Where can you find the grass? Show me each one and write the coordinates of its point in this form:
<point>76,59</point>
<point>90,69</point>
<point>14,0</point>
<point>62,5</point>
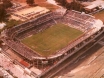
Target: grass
<point>100,15</point>
<point>52,39</point>
<point>11,23</point>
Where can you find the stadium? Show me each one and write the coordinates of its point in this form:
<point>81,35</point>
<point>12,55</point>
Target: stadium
<point>51,36</point>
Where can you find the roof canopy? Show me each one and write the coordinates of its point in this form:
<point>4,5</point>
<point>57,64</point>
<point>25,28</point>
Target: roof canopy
<point>91,6</point>
<point>2,25</point>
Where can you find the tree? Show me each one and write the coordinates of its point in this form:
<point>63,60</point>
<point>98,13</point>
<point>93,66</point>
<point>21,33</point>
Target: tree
<point>7,4</point>
<point>75,5</point>
<point>61,2</point>
<point>30,2</point>
<point>3,14</point>
<point>1,77</point>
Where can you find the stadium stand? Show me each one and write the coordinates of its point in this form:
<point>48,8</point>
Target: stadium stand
<point>83,22</point>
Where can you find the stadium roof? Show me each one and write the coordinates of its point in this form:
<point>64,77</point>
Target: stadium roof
<point>94,4</point>
<point>91,6</point>
<point>2,25</point>
<point>52,2</point>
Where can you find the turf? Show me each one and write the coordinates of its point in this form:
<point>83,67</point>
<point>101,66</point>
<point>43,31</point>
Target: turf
<point>52,39</point>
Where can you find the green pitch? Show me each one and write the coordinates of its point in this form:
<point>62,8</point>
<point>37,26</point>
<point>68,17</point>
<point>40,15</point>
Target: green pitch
<point>52,39</point>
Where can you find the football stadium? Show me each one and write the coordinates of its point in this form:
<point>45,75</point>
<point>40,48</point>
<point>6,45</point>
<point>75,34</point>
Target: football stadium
<point>51,36</point>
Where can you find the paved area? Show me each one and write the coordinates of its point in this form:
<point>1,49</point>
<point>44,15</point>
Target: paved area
<point>37,71</point>
<point>5,73</point>
<point>92,67</point>
<point>18,71</point>
<point>13,55</point>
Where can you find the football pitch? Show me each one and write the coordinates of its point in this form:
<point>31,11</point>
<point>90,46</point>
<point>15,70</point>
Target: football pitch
<point>52,39</point>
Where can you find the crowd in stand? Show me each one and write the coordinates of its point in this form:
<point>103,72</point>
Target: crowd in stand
<point>79,20</point>
<point>71,18</point>
<point>36,29</point>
